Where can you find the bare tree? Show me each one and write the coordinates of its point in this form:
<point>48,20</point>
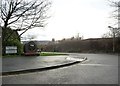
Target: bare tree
<point>116,16</point>
<point>107,35</point>
<point>22,15</point>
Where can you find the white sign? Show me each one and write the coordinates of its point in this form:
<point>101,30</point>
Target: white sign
<point>11,49</point>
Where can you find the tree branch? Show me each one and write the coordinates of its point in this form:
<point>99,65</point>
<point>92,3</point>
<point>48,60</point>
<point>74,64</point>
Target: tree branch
<point>23,15</point>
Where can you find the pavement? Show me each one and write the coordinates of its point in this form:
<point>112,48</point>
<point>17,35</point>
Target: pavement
<point>27,64</point>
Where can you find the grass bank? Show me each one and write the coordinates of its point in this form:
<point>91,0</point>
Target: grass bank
<point>51,54</point>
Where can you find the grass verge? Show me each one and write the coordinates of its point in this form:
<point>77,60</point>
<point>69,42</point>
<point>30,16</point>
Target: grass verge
<point>51,54</point>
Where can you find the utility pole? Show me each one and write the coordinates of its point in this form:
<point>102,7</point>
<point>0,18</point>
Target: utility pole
<point>113,37</point>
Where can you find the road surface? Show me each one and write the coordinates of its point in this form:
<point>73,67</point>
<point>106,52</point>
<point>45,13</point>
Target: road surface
<point>98,69</point>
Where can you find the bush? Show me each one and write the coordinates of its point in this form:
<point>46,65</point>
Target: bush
<point>14,43</point>
<point>10,38</point>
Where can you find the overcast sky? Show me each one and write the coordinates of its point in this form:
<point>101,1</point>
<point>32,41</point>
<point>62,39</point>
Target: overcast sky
<point>89,18</point>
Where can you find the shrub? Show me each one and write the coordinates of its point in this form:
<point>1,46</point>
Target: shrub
<point>10,38</point>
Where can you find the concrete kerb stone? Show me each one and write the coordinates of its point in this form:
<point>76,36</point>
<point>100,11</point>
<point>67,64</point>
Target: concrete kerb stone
<point>73,61</point>
<point>76,59</point>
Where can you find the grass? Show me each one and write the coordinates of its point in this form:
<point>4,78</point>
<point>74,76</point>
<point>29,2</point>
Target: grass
<point>50,54</point>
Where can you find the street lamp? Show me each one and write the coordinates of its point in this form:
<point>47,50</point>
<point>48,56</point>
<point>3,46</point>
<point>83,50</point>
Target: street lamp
<point>113,38</point>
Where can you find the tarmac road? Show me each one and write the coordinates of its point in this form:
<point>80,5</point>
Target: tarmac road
<point>98,69</point>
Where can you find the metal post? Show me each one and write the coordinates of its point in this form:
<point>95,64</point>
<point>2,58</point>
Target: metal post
<point>113,38</point>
